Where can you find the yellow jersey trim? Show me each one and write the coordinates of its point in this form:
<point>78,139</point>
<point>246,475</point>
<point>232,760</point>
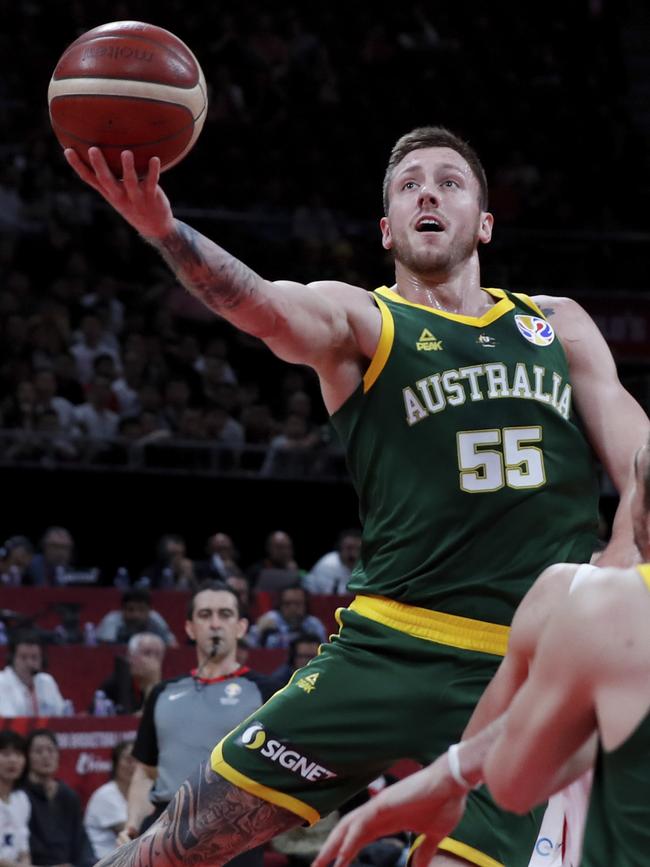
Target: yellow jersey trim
<point>529,301</point>
<point>448,844</point>
<point>503,305</point>
<point>273,796</point>
<point>436,626</point>
<point>469,853</point>
<point>644,572</point>
<point>384,346</point>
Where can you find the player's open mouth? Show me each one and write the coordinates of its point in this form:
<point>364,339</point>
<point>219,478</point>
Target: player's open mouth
<point>429,224</point>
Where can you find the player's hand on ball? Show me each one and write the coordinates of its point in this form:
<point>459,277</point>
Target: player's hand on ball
<point>141,202</point>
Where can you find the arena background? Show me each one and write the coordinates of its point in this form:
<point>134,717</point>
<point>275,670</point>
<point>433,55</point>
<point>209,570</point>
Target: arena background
<point>306,100</point>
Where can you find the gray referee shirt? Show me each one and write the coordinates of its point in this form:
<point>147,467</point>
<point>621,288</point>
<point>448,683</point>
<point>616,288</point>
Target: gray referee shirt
<point>185,718</point>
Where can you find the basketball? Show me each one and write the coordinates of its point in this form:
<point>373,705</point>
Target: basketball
<point>128,86</point>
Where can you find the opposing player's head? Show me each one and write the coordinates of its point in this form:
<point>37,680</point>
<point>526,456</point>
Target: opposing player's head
<point>641,501</point>
<point>435,202</point>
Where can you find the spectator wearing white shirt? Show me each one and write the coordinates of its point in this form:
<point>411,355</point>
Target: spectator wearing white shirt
<point>15,808</point>
<point>330,574</point>
<point>26,690</point>
<point>106,812</point>
<point>94,418</point>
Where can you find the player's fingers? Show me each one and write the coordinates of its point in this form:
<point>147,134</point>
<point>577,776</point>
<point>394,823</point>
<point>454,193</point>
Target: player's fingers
<point>130,178</point>
<point>110,186</point>
<point>74,160</point>
<point>344,842</point>
<point>152,177</point>
<point>424,853</point>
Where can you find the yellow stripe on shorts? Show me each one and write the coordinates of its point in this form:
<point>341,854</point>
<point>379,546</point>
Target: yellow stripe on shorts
<point>436,626</point>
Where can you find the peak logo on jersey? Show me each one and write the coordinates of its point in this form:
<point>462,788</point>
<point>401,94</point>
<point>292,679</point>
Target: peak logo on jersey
<point>308,683</point>
<point>535,330</point>
<point>255,737</point>
<point>428,342</point>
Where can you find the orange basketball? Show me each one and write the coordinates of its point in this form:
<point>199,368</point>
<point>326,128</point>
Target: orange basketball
<point>128,86</point>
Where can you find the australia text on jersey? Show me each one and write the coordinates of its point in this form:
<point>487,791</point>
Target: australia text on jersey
<point>485,382</point>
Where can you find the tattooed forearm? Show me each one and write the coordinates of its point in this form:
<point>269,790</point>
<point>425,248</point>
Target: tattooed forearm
<point>208,272</point>
<point>209,821</point>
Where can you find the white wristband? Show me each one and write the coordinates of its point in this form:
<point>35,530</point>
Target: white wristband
<point>454,767</point>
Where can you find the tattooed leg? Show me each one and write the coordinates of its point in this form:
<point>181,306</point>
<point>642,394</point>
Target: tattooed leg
<point>209,821</point>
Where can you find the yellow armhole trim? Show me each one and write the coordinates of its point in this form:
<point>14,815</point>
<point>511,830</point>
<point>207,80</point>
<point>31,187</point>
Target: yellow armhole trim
<point>644,572</point>
<point>293,805</point>
<point>384,346</point>
<point>469,853</point>
<point>529,301</point>
<point>474,856</point>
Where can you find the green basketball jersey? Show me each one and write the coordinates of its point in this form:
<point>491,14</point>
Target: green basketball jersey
<point>617,831</point>
<point>472,470</point>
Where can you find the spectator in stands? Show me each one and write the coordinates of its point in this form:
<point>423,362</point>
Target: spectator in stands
<point>15,808</point>
<point>303,648</point>
<point>172,569</point>
<point>56,831</point>
<point>106,811</point>
<point>135,615</point>
<point>205,704</point>
<point>93,340</point>
<point>241,587</point>
<point>222,558</point>
<point>26,690</point>
<point>279,627</point>
<point>332,572</point>
<point>290,453</point>
<point>50,567</point>
<point>95,418</point>
<point>278,568</point>
<point>47,398</point>
<point>133,678</point>
<point>14,563</point>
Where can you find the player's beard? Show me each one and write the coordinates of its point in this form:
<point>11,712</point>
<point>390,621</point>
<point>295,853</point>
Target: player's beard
<point>431,262</point>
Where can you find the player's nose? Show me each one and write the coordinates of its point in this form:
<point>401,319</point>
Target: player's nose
<point>428,195</point>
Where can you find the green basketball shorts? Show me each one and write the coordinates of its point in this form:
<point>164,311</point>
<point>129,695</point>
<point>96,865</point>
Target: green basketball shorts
<point>396,682</point>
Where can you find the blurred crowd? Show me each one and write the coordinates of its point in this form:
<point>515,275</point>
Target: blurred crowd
<point>105,360</point>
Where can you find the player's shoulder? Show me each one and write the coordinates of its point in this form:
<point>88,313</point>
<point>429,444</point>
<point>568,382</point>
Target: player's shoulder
<point>561,310</point>
<point>167,684</point>
<point>345,292</point>
<point>549,591</point>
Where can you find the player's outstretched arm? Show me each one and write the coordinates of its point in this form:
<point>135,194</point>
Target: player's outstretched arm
<point>303,324</point>
<point>615,423</point>
<point>209,821</point>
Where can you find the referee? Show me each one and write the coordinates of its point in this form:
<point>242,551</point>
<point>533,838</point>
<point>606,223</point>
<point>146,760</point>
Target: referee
<point>185,716</point>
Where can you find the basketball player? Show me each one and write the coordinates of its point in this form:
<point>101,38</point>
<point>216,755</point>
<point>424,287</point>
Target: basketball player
<point>587,694</point>
<point>462,410</point>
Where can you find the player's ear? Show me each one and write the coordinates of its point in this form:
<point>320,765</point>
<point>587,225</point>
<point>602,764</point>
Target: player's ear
<point>242,627</point>
<point>386,237</point>
<point>485,227</point>
<point>189,630</point>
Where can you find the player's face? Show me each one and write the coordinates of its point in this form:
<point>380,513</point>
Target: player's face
<point>434,221</point>
<point>12,763</point>
<point>216,624</point>
<point>640,516</point>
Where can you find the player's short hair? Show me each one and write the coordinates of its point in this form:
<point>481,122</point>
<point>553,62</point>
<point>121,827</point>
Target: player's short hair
<point>11,740</point>
<point>435,137</point>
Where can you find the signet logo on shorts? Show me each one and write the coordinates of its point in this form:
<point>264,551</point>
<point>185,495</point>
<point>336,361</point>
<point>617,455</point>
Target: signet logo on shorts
<point>537,331</point>
<point>254,736</point>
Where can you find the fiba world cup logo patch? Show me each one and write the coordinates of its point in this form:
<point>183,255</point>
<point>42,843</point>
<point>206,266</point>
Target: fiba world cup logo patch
<point>535,330</point>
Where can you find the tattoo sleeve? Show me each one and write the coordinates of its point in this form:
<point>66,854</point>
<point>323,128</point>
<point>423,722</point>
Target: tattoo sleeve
<point>209,821</point>
<point>548,311</point>
<point>207,271</point>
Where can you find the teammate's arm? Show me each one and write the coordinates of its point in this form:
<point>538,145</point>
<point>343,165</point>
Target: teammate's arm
<point>302,324</point>
<point>615,423</point>
<point>552,716</point>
